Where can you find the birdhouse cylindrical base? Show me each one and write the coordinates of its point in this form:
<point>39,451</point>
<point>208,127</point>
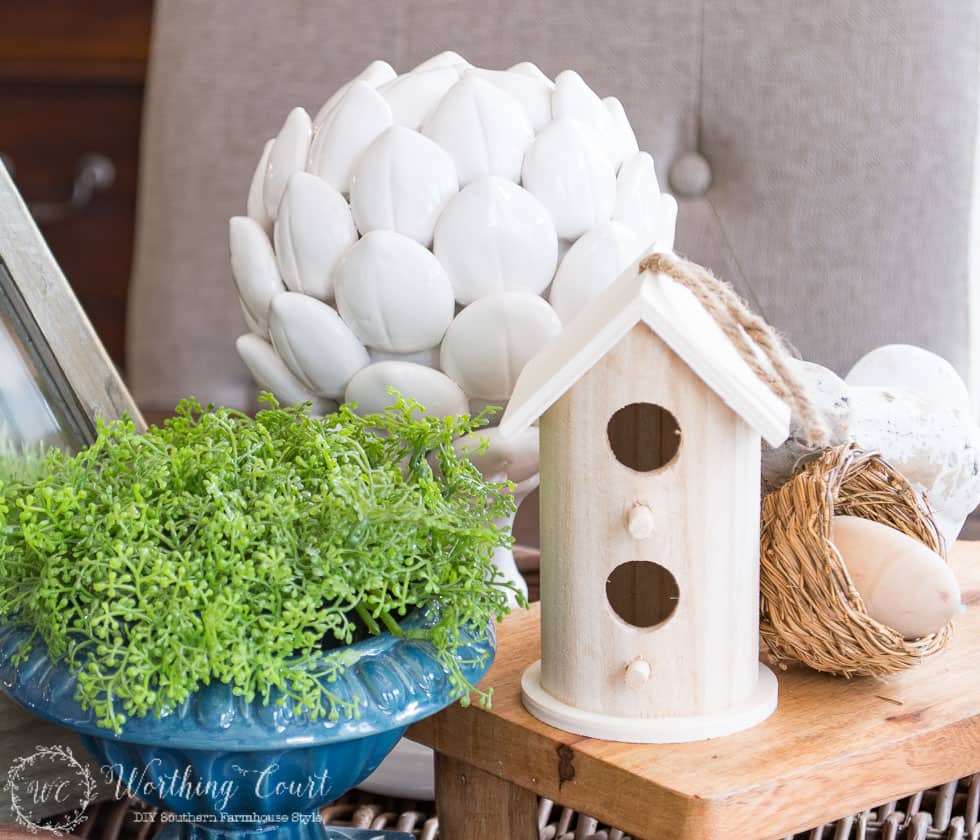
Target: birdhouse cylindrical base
<point>665,730</point>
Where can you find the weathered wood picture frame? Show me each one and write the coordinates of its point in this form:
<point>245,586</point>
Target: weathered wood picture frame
<point>78,375</point>
<point>81,385</point>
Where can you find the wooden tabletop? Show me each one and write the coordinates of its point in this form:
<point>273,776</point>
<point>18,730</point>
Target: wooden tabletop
<point>832,747</point>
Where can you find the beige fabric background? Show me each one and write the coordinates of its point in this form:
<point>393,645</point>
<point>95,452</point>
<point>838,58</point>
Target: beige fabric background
<point>841,136</point>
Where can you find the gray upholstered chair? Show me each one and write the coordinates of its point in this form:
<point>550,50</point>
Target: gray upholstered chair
<point>823,154</point>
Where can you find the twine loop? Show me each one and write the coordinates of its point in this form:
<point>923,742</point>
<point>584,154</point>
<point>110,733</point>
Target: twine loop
<point>756,342</point>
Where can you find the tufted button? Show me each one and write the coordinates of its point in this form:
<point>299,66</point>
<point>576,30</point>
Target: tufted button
<point>690,175</point>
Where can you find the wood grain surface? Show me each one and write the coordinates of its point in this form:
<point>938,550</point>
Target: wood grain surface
<point>833,746</point>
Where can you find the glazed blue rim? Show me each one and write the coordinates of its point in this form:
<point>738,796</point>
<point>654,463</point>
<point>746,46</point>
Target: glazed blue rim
<point>397,682</point>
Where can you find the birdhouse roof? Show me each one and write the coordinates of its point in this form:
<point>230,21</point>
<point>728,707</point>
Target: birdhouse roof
<point>676,316</point>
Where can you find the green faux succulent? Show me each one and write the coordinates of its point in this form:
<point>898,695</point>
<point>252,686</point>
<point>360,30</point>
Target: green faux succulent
<point>225,547</point>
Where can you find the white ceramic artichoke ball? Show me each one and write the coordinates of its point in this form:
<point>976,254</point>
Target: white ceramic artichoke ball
<point>432,231</point>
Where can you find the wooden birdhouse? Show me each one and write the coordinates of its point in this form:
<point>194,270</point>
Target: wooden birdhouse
<point>650,427</point>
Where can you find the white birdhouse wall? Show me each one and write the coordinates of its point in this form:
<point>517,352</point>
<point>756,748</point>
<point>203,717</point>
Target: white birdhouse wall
<point>697,519</point>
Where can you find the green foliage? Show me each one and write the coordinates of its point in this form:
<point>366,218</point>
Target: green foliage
<point>222,547</point>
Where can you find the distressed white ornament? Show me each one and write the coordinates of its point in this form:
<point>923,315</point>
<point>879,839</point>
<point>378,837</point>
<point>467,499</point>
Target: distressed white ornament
<point>935,446</point>
<point>432,389</point>
<point>360,116</point>
<point>315,343</point>
<point>288,155</point>
<point>912,369</point>
<point>271,373</point>
<point>313,230</point>
<point>383,277</point>
<point>567,170</point>
<point>253,265</point>
<point>485,130</point>
<point>402,183</point>
<point>490,341</point>
<point>494,236</point>
<point>591,265</point>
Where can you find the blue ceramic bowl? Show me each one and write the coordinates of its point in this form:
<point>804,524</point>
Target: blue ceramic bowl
<point>238,770</point>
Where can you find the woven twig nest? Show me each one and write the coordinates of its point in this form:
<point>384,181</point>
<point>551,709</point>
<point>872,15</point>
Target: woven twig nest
<point>811,611</point>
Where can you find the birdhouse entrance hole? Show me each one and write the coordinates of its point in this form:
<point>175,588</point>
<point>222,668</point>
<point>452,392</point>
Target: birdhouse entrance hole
<point>641,593</point>
<point>644,436</point>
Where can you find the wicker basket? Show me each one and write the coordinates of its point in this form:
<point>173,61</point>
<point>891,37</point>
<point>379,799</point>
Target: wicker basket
<point>811,611</point>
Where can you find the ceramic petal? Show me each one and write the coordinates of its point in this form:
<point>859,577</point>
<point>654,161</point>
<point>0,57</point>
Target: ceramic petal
<point>573,99</point>
<point>313,230</point>
<point>253,264</point>
<point>354,124</point>
<point>495,236</point>
<point>638,203</point>
<point>413,96</point>
<point>315,343</point>
<point>485,130</point>
<point>567,171</point>
<point>428,357</point>
<point>393,293</point>
<point>443,59</point>
<point>533,92</point>
<point>490,341</point>
<point>402,182</point>
<point>591,265</point>
<point>622,139</point>
<point>288,155</point>
<point>527,68</point>
<point>255,206</point>
<point>434,391</point>
<point>270,373</point>
<point>375,74</point>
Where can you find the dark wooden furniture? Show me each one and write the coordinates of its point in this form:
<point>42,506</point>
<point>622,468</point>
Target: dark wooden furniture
<point>71,92</point>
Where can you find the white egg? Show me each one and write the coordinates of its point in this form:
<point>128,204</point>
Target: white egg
<point>485,130</point>
<point>569,173</point>
<point>253,265</point>
<point>288,155</point>
<point>903,584</point>
<point>495,236</point>
<point>255,205</point>
<point>315,343</point>
<point>432,389</point>
<point>490,341</point>
<point>590,265</point>
<point>271,374</point>
<point>360,116</point>
<point>313,230</point>
<point>393,293</point>
<point>402,183</point>
<point>413,96</point>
